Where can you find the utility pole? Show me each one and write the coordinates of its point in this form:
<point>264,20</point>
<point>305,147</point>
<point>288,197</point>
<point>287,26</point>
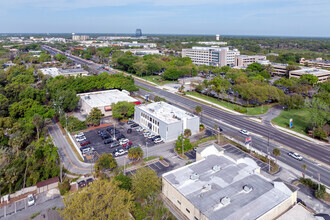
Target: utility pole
<point>124,165</point>
<point>61,172</point>
<point>66,121</point>
<point>147,147</point>
<point>319,181</point>
<point>268,155</point>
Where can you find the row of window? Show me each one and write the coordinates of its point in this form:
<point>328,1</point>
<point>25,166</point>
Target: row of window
<point>187,210</point>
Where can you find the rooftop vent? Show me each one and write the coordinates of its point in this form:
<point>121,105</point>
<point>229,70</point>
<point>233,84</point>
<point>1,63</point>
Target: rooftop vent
<point>206,187</point>
<point>225,200</point>
<point>247,188</point>
<point>216,168</point>
<point>194,176</point>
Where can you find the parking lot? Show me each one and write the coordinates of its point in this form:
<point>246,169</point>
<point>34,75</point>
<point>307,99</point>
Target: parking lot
<point>158,167</point>
<point>233,151</point>
<point>100,147</point>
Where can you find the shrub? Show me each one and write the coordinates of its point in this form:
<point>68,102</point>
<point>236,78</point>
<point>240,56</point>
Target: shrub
<point>239,109</point>
<point>74,124</point>
<point>320,133</point>
<point>64,187</point>
<point>313,185</point>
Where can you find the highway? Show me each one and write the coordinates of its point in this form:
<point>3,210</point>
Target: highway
<point>316,157</point>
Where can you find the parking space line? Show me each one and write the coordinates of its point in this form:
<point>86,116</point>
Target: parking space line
<point>156,165</point>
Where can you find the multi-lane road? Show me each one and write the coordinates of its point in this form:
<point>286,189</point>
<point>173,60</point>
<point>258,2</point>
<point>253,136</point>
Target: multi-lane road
<point>316,157</point>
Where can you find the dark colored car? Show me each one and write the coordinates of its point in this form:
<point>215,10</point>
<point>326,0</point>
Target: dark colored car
<point>108,141</point>
<point>101,132</point>
<point>114,144</point>
<point>120,137</point>
<point>82,184</point>
<point>127,147</point>
<point>130,122</point>
<point>105,136</point>
<point>134,125</point>
<point>89,181</point>
<point>154,138</point>
<point>84,143</point>
<point>129,130</point>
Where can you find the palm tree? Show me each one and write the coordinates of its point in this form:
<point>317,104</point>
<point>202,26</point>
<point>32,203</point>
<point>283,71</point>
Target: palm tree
<point>37,121</point>
<point>187,133</point>
<point>304,166</point>
<point>276,153</point>
<point>198,109</point>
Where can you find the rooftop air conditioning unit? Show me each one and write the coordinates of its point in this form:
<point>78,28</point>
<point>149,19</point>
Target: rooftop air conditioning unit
<point>247,188</point>
<point>216,168</point>
<point>225,200</point>
<point>194,176</point>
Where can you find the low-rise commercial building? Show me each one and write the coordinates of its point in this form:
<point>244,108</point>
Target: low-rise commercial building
<point>73,72</point>
<point>317,63</point>
<point>245,60</point>
<point>166,120</point>
<point>142,51</point>
<point>217,186</point>
<point>279,69</point>
<point>103,100</point>
<point>322,75</point>
<point>211,56</point>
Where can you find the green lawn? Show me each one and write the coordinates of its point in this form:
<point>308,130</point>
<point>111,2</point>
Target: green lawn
<point>250,111</point>
<point>301,119</point>
<point>143,88</point>
<point>157,79</point>
<point>148,158</point>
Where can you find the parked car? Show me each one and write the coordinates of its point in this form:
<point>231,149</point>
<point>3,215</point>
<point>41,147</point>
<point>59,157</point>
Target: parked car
<point>134,125</point>
<point>31,200</point>
<point>126,144</point>
<point>105,136</point>
<point>89,181</point>
<point>101,132</point>
<point>129,130</point>
<point>114,131</point>
<point>151,136</point>
<point>114,144</point>
<point>79,135</point>
<point>139,128</point>
<point>158,140</point>
<point>123,141</point>
<point>82,184</point>
<point>108,141</point>
<point>245,132</point>
<point>83,143</point>
<point>146,134</point>
<point>295,156</point>
<point>85,150</point>
<point>127,147</point>
<point>120,136</point>
<point>120,152</point>
<point>154,138</point>
<point>80,139</point>
<point>130,122</point>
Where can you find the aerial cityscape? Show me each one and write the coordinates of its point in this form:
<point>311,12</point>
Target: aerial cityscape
<point>163,110</point>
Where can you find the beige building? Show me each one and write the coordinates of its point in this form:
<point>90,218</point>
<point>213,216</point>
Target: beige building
<point>322,75</point>
<point>279,69</point>
<point>103,100</point>
<point>73,72</point>
<point>317,63</point>
<point>217,186</point>
<point>245,60</point>
<point>211,56</point>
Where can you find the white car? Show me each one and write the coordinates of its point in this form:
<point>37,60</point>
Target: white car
<point>245,132</point>
<point>31,200</point>
<point>80,139</point>
<point>120,152</point>
<point>146,134</point>
<point>139,129</point>
<point>150,136</point>
<point>158,140</point>
<point>79,135</point>
<point>123,141</point>
<point>295,156</point>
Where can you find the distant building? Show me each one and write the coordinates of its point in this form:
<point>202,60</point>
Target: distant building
<point>165,120</point>
<point>317,63</point>
<point>217,186</point>
<point>217,37</point>
<point>142,51</point>
<point>210,43</point>
<point>245,60</point>
<point>211,56</point>
<point>322,75</point>
<point>79,37</point>
<point>53,72</point>
<point>103,100</point>
<point>272,54</point>
<point>279,69</point>
<point>138,33</point>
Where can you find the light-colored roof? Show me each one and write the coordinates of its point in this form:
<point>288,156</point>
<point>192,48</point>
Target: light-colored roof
<point>166,112</point>
<point>297,212</point>
<point>105,98</point>
<point>229,181</point>
<point>72,71</point>
<point>314,71</point>
<point>50,71</point>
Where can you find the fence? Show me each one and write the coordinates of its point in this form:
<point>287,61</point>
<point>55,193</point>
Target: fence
<point>74,143</point>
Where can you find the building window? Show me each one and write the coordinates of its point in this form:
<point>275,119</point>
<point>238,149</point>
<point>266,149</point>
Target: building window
<point>188,210</point>
<point>196,218</point>
<point>179,202</point>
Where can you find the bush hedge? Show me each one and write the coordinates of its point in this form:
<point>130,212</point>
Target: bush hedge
<point>313,185</point>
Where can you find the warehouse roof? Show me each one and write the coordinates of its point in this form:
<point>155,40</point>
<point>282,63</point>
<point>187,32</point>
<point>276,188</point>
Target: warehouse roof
<point>106,98</point>
<point>222,188</point>
<point>166,112</point>
<point>314,71</point>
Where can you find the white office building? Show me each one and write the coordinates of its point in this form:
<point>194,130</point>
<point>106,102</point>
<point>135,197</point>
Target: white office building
<point>211,56</point>
<point>166,120</point>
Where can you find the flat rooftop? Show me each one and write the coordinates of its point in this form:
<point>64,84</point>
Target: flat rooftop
<point>105,98</point>
<point>71,71</point>
<point>298,212</point>
<point>248,56</point>
<point>166,112</point>
<point>314,71</point>
<point>50,71</point>
<point>227,182</point>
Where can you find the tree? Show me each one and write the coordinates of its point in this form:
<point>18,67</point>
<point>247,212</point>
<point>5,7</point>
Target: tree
<point>101,200</point>
<point>276,153</point>
<point>124,182</point>
<point>304,166</point>
<point>135,153</point>
<point>159,99</point>
<point>60,57</point>
<point>65,100</point>
<point>319,111</point>
<point>310,78</point>
<point>105,161</point>
<point>145,183</point>
<point>38,122</point>
<point>172,74</point>
<point>122,110</point>
<point>94,117</point>
<point>187,133</point>
<point>198,109</point>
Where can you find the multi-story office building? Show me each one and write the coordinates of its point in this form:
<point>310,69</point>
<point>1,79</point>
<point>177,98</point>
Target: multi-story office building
<point>79,37</point>
<point>317,63</point>
<point>322,75</point>
<point>280,69</point>
<point>165,120</point>
<point>211,56</point>
<point>138,33</point>
<point>245,60</point>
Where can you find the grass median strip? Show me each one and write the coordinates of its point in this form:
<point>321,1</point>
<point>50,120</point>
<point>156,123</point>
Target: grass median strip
<point>73,148</point>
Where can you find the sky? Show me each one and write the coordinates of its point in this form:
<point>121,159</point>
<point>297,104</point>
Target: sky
<point>201,17</point>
